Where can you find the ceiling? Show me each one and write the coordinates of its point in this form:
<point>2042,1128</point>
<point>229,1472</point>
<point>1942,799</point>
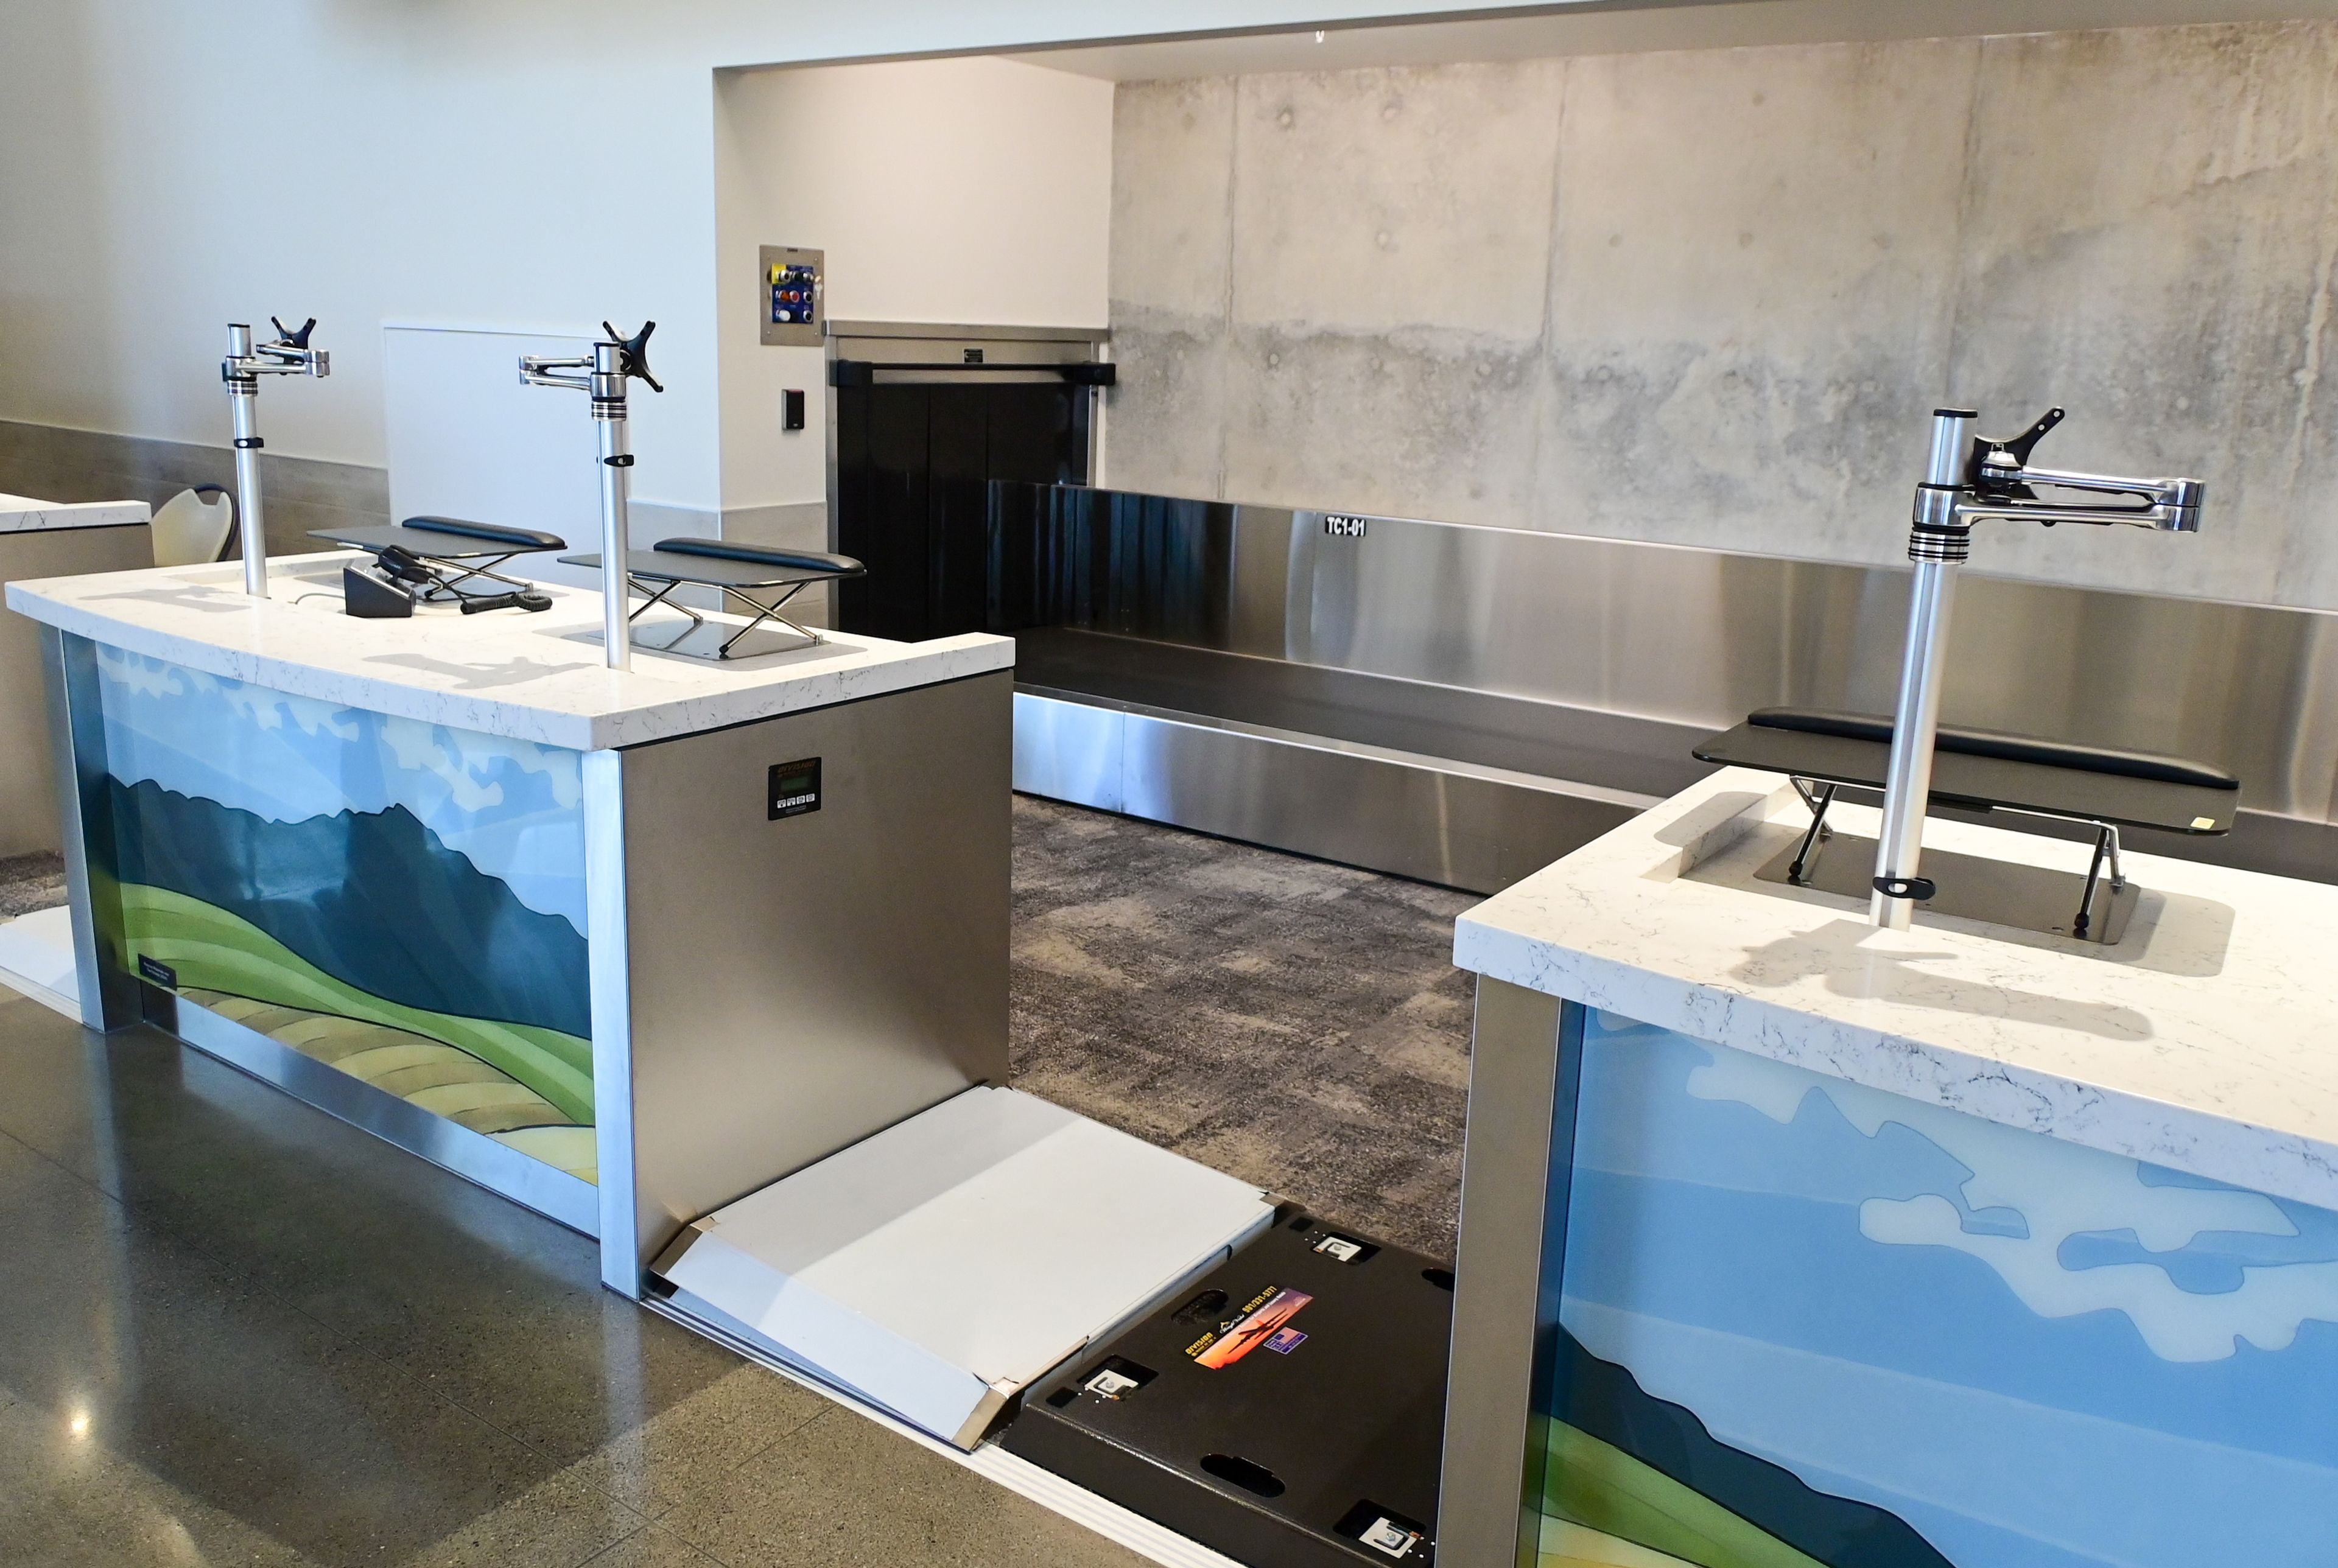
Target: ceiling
<point>1599,28</point>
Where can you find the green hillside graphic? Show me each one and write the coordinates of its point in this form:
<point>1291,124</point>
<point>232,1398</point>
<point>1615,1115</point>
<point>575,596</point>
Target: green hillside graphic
<point>210,949</point>
<point>1590,1483</point>
<point>374,898</point>
<point>1618,1459</point>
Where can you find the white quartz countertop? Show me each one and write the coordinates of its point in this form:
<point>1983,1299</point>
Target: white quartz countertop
<point>2205,1040</point>
<point>23,514</point>
<point>532,677</point>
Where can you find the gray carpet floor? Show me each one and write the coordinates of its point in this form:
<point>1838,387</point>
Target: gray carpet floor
<point>30,882</point>
<point>1295,1023</point>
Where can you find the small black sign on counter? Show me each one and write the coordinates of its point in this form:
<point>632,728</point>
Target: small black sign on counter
<point>794,787</point>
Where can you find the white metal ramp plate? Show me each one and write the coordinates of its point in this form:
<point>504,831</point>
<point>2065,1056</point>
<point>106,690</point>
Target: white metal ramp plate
<point>940,1266</point>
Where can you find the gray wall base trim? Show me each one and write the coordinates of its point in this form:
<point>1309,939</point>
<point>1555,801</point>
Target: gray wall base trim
<point>56,464</point>
<point>449,1145</point>
<point>1434,820</point>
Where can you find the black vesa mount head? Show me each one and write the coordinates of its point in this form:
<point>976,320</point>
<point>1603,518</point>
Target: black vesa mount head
<point>291,338</point>
<point>1984,476</point>
<point>636,351</point>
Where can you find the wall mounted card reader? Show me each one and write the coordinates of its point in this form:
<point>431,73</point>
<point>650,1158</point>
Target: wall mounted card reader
<point>789,284</point>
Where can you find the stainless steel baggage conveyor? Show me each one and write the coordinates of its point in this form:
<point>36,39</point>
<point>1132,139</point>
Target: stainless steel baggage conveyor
<point>1465,704</point>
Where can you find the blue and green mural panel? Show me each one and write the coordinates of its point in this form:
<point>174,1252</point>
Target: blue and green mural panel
<point>1799,1321</point>
<point>403,900</point>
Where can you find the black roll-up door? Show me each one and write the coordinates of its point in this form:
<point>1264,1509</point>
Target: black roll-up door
<point>913,465</point>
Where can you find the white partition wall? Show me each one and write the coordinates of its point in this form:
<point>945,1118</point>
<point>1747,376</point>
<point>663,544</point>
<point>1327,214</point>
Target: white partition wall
<point>466,439</point>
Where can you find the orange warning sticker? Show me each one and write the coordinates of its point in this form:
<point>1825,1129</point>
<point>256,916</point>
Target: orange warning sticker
<point>1260,1318</point>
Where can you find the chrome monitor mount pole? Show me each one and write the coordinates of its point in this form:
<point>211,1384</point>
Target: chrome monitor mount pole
<point>1963,485</point>
<point>289,355</point>
<point>603,374</point>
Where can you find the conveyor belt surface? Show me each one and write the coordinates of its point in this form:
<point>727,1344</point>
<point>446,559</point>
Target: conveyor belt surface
<point>1618,751</point>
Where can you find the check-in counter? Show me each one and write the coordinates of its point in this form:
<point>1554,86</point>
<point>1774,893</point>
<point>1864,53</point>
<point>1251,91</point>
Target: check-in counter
<point>584,937</point>
<point>47,539</point>
<point>704,957</point>
<point>1789,1239</point>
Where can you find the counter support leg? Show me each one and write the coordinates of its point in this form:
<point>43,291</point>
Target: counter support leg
<point>613,1012</point>
<point>109,995</point>
<point>1518,1151</point>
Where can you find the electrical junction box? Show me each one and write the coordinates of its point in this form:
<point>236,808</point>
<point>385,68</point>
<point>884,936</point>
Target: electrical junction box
<point>788,287</point>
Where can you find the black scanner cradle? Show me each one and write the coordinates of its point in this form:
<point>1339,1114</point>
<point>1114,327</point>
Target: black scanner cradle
<point>1286,1409</point>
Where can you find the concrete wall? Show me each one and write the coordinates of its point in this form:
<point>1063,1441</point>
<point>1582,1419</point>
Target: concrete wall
<point>1709,296</point>
<point>954,190</point>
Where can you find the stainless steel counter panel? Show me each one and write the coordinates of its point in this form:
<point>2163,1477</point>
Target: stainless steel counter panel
<point>28,815</point>
<point>1694,638</point>
<point>860,948</point>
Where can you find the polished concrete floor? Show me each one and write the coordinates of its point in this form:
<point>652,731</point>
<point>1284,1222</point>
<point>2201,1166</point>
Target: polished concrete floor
<point>237,1331</point>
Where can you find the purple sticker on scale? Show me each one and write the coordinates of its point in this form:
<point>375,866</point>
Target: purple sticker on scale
<point>1284,1341</point>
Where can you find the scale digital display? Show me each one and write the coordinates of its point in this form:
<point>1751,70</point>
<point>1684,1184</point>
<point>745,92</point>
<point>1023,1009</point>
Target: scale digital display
<point>794,787</point>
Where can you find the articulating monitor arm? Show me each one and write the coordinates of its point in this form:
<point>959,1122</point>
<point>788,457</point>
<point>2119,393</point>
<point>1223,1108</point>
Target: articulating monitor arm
<point>287,355</point>
<point>603,374</point>
<point>1968,478</point>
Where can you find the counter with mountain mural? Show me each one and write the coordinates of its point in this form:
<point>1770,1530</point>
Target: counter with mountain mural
<point>365,840</point>
<point>399,900</point>
<point>1852,1257</point>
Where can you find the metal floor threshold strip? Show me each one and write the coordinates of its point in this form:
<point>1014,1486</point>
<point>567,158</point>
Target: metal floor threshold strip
<point>1123,1526</point>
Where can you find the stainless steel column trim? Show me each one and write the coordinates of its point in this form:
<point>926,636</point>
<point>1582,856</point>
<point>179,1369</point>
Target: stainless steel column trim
<point>613,1015</point>
<point>108,996</point>
<point>449,1145</point>
<point>1483,1505</point>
